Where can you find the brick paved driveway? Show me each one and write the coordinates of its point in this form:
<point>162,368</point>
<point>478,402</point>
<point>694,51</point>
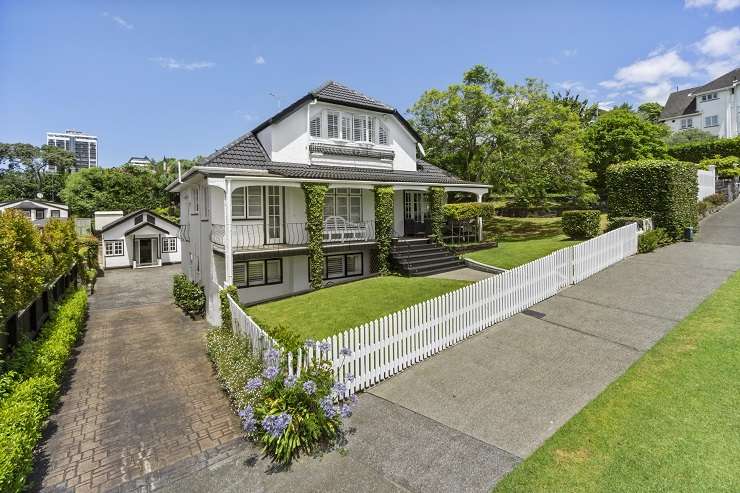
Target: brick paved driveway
<point>142,394</point>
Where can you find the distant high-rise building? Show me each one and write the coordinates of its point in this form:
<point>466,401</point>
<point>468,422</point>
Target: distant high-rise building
<point>83,146</point>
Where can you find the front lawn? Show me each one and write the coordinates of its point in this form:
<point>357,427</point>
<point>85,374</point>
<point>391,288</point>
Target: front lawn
<point>510,254</point>
<point>329,311</point>
<point>670,423</point>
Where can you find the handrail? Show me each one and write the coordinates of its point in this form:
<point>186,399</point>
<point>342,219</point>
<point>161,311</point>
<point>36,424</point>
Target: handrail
<point>255,236</point>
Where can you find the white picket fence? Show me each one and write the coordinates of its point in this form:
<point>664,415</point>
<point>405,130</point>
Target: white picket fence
<point>383,347</point>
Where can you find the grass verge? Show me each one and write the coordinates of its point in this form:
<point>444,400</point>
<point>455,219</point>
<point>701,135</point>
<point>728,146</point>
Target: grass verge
<point>670,423</point>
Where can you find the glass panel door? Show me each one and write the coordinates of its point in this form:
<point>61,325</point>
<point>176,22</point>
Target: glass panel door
<point>274,217</point>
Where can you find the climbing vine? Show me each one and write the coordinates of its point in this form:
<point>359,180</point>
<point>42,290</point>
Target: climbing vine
<point>315,194</point>
<point>436,211</point>
<point>225,307</point>
<point>384,226</point>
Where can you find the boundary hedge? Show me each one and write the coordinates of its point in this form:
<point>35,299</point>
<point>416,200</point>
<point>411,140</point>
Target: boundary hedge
<point>697,151</point>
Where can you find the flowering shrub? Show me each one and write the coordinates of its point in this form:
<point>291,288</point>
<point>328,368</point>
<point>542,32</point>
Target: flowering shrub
<point>188,295</point>
<point>290,414</point>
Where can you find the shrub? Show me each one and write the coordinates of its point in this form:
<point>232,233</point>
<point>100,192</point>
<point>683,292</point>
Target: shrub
<point>188,295</point>
<point>618,222</point>
<point>702,208</point>
<point>716,199</point>
<point>35,372</point>
<point>469,210</point>
<point>663,190</point>
<point>726,167</point>
<point>59,240</point>
<point>695,152</point>
<point>436,214</point>
<point>581,224</point>
<point>650,240</point>
<point>225,308</point>
<point>235,365</point>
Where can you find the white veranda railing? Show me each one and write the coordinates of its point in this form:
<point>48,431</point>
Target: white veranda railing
<point>385,346</point>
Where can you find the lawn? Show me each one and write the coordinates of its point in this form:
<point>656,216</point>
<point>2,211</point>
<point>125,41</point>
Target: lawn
<point>670,423</point>
<point>331,310</point>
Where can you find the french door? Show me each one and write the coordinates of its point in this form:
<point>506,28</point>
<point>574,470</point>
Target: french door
<point>415,212</point>
<point>274,215</point>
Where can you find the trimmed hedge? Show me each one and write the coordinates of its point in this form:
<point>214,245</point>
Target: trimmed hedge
<point>469,210</point>
<point>188,295</point>
<point>35,372</point>
<point>697,151</point>
<point>726,167</point>
<point>663,190</point>
<point>581,224</point>
<point>618,222</point>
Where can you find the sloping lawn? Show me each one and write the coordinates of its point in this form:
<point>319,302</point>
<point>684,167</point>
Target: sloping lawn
<point>331,310</point>
<point>670,423</point>
<point>510,254</point>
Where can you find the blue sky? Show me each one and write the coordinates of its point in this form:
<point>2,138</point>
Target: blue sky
<point>184,78</point>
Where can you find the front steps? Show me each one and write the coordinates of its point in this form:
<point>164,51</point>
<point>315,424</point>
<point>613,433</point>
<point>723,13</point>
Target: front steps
<point>421,257</point>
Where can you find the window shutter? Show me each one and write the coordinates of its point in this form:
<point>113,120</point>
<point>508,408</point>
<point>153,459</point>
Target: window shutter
<point>273,270</point>
<point>255,273</point>
<point>240,274</point>
<point>332,125</point>
<point>346,127</point>
<point>335,266</point>
<point>316,126</point>
<point>359,124</point>
<point>371,130</point>
<point>382,134</point>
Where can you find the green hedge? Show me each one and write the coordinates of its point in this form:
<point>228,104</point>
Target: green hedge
<point>581,224</point>
<point>225,308</point>
<point>437,198</point>
<point>469,210</point>
<point>618,222</point>
<point>315,194</point>
<point>663,190</point>
<point>726,167</point>
<point>697,151</point>
<point>384,226</point>
<point>37,368</point>
<point>188,295</point>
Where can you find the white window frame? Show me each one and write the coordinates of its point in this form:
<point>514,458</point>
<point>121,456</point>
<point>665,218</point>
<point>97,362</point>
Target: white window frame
<point>344,129</point>
<point>337,116</point>
<point>351,195</point>
<point>312,126</point>
<point>247,193</point>
<point>711,121</point>
<point>343,257</point>
<point>115,247</point>
<point>169,244</point>
<point>56,213</point>
<point>261,265</point>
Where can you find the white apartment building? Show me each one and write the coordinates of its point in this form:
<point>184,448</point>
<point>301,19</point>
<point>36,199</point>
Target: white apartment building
<point>83,146</point>
<point>713,107</point>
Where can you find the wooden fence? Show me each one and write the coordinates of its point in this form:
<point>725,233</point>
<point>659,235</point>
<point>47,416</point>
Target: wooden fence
<point>383,347</point>
<point>29,320</point>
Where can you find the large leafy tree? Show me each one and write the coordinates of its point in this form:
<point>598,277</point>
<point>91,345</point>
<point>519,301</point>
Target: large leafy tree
<point>27,167</point>
<point>650,111</point>
<point>690,135</point>
<point>515,138</point>
<point>622,135</point>
<point>586,111</point>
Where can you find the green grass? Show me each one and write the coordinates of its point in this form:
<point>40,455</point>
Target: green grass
<point>331,310</point>
<point>671,423</point>
<point>510,254</point>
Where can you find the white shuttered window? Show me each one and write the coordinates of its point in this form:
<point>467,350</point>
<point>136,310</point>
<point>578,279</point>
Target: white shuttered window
<point>332,125</point>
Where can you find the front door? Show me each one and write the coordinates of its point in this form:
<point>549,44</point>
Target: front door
<point>146,252</point>
<point>274,215</point>
<point>415,213</point>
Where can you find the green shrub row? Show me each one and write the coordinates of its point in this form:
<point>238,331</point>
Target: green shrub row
<point>726,167</point>
<point>663,190</point>
<point>470,210</point>
<point>33,377</point>
<point>650,240</point>
<point>618,222</point>
<point>697,151</point>
<point>188,295</point>
<point>581,224</point>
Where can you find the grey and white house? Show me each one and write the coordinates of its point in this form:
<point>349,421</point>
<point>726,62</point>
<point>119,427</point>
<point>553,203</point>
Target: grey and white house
<point>139,239</point>
<point>713,107</point>
<point>38,211</point>
<point>243,212</point>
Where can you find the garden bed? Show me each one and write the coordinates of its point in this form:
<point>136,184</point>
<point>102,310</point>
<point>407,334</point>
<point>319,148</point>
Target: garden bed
<point>332,310</point>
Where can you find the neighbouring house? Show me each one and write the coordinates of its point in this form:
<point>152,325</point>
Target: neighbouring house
<point>243,208</point>
<point>713,107</point>
<point>38,211</point>
<point>139,239</point>
<point>144,162</point>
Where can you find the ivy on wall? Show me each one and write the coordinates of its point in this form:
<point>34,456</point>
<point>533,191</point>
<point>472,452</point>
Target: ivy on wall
<point>437,197</point>
<point>315,194</point>
<point>384,226</point>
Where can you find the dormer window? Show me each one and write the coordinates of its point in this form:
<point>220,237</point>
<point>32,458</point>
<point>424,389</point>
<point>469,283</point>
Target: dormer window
<point>709,97</point>
<point>352,127</point>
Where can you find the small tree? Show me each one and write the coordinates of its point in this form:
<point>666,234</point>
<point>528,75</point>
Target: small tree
<point>650,111</point>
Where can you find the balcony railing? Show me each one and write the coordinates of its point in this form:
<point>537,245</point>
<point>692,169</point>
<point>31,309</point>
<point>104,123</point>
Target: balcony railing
<point>184,233</point>
<point>256,237</point>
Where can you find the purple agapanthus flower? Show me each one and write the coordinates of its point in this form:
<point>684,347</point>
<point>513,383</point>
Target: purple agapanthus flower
<point>353,399</point>
<point>327,405</point>
<point>350,377</point>
<point>253,383</point>
<point>345,351</point>
<point>324,347</point>
<point>339,388</point>
<point>309,343</point>
<point>345,411</point>
<point>276,424</point>
<point>270,372</point>
<point>309,387</point>
<point>248,422</point>
<point>289,381</point>
<point>272,354</point>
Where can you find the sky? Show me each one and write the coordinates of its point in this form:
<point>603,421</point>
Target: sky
<point>181,78</point>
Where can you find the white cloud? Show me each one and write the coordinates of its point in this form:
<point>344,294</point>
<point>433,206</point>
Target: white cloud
<point>569,52</point>
<point>651,70</point>
<point>119,20</point>
<point>718,42</point>
<point>173,64</point>
<point>606,105</point>
<point>719,5</point>
<point>657,92</point>
<point>245,115</point>
<point>260,60</point>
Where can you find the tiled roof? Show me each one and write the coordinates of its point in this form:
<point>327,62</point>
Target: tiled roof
<point>335,92</point>
<point>679,103</point>
<point>244,152</point>
<point>720,82</point>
